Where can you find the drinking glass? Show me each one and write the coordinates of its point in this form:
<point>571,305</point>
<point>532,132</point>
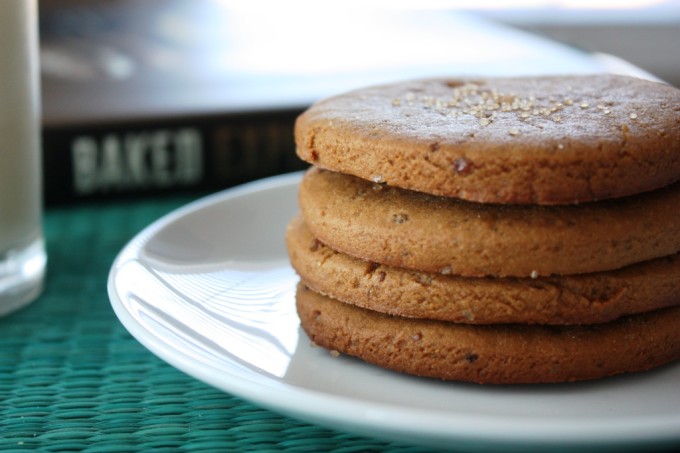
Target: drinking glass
<point>22,249</point>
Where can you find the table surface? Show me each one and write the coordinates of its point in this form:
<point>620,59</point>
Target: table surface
<point>72,378</point>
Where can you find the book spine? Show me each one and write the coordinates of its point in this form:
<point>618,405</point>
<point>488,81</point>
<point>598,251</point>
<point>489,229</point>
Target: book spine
<point>99,162</point>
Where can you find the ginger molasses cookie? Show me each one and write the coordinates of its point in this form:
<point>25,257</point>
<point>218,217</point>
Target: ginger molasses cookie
<point>499,354</point>
<point>577,299</point>
<point>424,232</point>
<point>530,140</point>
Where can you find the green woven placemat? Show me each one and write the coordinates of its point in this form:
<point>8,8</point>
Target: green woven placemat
<point>73,379</point>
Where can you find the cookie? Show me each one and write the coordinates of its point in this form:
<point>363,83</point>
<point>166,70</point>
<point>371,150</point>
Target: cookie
<point>500,354</point>
<point>531,140</point>
<point>578,299</point>
<point>418,231</point>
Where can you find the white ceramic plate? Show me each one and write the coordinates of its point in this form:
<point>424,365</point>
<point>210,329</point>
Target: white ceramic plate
<point>209,290</point>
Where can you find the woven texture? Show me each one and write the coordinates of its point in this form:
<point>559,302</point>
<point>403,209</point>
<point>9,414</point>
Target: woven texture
<point>73,379</point>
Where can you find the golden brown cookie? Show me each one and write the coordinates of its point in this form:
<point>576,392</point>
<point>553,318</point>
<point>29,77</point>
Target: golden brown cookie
<point>500,354</point>
<point>578,299</point>
<point>418,231</point>
<point>537,140</point>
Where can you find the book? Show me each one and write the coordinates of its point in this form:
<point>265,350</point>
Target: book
<point>150,156</point>
<point>117,122</point>
<point>164,96</point>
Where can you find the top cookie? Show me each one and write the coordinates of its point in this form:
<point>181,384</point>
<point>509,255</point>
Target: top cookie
<point>538,140</point>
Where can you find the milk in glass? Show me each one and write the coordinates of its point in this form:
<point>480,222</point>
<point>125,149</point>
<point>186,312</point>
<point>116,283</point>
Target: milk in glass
<point>22,255</point>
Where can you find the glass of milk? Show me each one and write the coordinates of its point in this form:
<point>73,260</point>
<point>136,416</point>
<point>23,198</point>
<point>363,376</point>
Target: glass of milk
<point>22,250</point>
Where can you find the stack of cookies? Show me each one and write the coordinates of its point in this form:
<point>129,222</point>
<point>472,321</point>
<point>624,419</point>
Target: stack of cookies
<point>510,230</point>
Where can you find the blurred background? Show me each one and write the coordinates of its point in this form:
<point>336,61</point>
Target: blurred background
<point>645,33</point>
<point>167,95</point>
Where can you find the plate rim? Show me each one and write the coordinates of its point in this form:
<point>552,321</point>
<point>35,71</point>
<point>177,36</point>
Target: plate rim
<point>373,418</point>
